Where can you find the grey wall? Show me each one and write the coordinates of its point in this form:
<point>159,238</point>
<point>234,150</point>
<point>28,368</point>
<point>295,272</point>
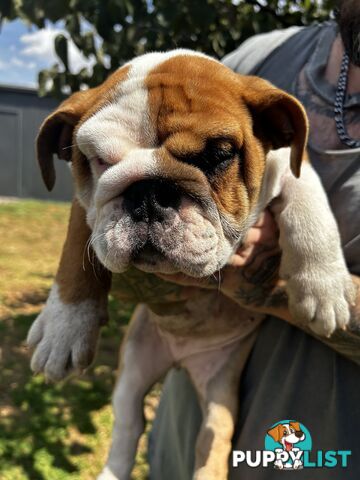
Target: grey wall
<point>21,113</point>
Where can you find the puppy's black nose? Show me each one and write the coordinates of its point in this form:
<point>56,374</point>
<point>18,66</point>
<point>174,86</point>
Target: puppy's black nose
<point>150,200</point>
<point>299,433</point>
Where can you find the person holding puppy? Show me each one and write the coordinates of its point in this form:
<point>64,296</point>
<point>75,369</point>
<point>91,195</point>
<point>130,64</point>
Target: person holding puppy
<point>289,373</point>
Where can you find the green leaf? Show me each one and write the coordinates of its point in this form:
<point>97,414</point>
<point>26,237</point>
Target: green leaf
<point>61,49</point>
<point>72,24</point>
<point>89,44</point>
<point>43,78</point>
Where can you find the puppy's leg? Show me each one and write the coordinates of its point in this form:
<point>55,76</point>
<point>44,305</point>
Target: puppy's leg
<point>65,333</point>
<point>216,378</point>
<point>144,359</point>
<point>319,285</point>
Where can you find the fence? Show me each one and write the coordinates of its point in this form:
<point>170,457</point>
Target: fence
<point>21,113</point>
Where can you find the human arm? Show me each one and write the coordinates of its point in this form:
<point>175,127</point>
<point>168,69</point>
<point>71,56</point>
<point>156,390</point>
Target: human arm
<point>244,289</point>
<point>252,281</point>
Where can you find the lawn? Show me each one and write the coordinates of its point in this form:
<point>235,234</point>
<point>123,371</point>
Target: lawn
<point>47,431</point>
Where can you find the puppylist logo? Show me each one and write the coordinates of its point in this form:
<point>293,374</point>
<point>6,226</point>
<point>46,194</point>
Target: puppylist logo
<point>288,446</point>
<point>289,441</point>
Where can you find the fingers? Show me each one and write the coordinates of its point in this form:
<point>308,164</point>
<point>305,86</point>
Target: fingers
<point>263,234</point>
<point>266,219</point>
<point>264,231</point>
<point>266,235</point>
<point>242,256</point>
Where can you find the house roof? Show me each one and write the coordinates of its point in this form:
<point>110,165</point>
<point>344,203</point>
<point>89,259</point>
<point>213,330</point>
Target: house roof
<point>18,89</point>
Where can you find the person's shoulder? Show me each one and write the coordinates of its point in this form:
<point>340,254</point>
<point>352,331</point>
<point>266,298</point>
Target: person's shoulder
<point>257,48</point>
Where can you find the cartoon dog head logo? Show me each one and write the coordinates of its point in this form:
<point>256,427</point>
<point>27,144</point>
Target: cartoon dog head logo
<point>288,439</point>
<point>288,446</point>
<point>287,434</point>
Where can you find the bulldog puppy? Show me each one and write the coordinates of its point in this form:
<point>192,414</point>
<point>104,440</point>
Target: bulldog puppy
<point>173,158</point>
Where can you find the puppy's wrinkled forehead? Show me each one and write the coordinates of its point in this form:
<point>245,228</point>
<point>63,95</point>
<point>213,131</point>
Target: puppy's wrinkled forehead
<point>163,95</point>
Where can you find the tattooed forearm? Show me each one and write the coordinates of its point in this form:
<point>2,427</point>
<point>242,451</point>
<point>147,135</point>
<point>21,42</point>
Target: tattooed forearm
<point>347,342</point>
<point>135,286</point>
<point>257,288</point>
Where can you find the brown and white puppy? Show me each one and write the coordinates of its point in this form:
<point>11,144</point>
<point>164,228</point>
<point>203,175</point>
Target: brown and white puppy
<point>173,158</point>
<point>288,435</point>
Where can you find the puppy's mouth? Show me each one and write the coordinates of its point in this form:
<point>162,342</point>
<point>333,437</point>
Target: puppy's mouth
<point>149,258</point>
<point>288,446</point>
<point>147,254</point>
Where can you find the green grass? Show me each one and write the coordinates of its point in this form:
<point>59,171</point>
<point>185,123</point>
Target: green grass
<point>49,432</point>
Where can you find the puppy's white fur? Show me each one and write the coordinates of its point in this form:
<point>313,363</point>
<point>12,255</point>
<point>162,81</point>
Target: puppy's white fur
<point>318,282</point>
<point>61,341</point>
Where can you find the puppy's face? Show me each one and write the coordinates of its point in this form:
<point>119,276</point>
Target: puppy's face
<point>291,436</point>
<point>169,159</point>
<point>287,434</point>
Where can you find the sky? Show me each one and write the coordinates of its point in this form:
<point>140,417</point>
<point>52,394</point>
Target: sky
<point>24,51</point>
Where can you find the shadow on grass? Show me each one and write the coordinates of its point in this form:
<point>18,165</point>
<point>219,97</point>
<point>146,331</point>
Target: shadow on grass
<point>42,426</point>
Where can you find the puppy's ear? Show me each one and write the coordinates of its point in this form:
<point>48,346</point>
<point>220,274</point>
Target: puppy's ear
<point>295,426</point>
<point>279,120</point>
<point>276,432</point>
<point>56,132</point>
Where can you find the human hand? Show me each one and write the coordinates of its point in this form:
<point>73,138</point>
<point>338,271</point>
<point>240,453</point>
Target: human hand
<point>252,275</point>
<point>252,271</point>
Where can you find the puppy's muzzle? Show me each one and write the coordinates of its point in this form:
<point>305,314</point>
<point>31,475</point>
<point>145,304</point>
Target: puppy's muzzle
<point>151,200</point>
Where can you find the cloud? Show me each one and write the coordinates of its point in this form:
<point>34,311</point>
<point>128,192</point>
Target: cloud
<point>39,46</point>
<point>24,52</point>
<point>18,63</point>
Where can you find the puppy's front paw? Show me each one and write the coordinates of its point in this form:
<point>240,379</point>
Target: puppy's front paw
<point>321,298</point>
<point>64,337</point>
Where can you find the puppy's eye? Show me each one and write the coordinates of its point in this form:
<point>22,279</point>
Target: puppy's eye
<point>224,153</point>
<point>216,155</point>
<point>100,163</point>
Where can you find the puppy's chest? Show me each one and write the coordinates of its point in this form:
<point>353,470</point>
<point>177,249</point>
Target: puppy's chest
<point>209,323</point>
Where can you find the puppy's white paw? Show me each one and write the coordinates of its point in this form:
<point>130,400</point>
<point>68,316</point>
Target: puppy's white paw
<point>321,298</point>
<point>64,336</point>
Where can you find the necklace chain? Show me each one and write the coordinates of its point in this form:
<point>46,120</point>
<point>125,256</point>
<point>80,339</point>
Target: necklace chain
<point>339,105</point>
